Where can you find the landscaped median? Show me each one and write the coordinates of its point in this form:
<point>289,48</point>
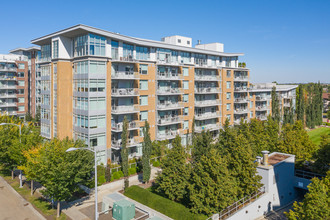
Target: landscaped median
<point>163,205</point>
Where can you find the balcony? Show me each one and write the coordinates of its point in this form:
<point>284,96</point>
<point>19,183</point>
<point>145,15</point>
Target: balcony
<point>125,75</point>
<point>131,142</point>
<point>6,95</point>
<point>208,127</point>
<point>241,111</point>
<point>169,134</point>
<point>241,100</point>
<point>207,115</point>
<point>169,105</point>
<point>169,91</point>
<point>240,89</point>
<point>241,78</point>
<point>207,90</point>
<point>125,92</point>
<point>168,120</point>
<point>261,117</point>
<point>125,109</point>
<point>207,78</point>
<point>261,108</point>
<point>6,104</point>
<point>169,76</point>
<point>118,127</point>
<point>286,104</point>
<point>238,121</point>
<point>261,98</point>
<point>8,69</point>
<point>204,103</point>
<point>286,96</point>
<point>201,62</point>
<point>8,86</point>
<point>8,78</point>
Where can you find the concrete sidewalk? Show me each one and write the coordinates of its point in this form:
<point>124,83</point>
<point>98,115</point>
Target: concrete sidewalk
<point>72,209</point>
<point>14,206</point>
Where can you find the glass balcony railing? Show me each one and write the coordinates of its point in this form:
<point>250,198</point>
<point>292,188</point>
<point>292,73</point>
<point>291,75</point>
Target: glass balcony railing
<point>118,127</point>
<point>131,142</point>
<point>9,69</point>
<point>261,108</point>
<point>210,127</point>
<point>261,98</point>
<point>240,89</point>
<point>241,100</point>
<point>207,102</point>
<point>168,91</point>
<point>124,109</point>
<point>125,75</point>
<point>207,77</point>
<point>8,104</point>
<point>169,76</point>
<point>169,105</point>
<point>168,134</point>
<point>241,111</point>
<point>166,120</point>
<point>125,92</point>
<point>207,115</point>
<point>8,86</point>
<point>241,78</point>
<point>207,90</point>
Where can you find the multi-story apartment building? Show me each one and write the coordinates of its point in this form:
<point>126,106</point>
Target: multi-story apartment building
<point>260,98</point>
<point>32,55</point>
<point>14,81</point>
<point>91,79</point>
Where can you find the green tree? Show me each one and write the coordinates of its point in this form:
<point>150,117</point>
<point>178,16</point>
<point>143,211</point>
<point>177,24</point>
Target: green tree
<point>275,105</point>
<point>322,163</point>
<point>300,104</point>
<point>159,148</point>
<point>59,171</point>
<point>271,134</point>
<point>124,151</point>
<point>202,144</point>
<point>172,182</point>
<point>211,188</point>
<point>316,203</point>
<point>328,114</point>
<point>146,153</point>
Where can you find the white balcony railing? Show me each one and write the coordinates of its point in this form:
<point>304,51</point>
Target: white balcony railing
<point>261,98</point>
<point>125,92</point>
<point>130,143</point>
<point>207,115</point>
<point>10,69</point>
<point>123,109</point>
<point>241,78</point>
<point>6,95</point>
<point>169,120</point>
<point>208,127</point>
<point>261,108</point>
<point>8,87</point>
<point>168,104</point>
<point>241,111</point>
<point>169,76</point>
<point>119,126</point>
<point>207,102</point>
<point>241,100</point>
<point>207,77</point>
<point>207,90</point>
<point>165,90</point>
<point>169,134</point>
<point>6,104</point>
<point>125,75</point>
<point>240,89</point>
<point>8,78</point>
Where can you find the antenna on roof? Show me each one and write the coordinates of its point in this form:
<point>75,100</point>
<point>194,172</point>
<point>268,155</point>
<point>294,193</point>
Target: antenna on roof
<point>198,42</point>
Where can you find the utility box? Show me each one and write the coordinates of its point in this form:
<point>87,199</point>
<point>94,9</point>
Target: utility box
<point>123,210</point>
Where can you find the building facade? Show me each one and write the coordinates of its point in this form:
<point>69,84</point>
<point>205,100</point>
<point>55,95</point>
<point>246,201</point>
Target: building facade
<point>91,79</point>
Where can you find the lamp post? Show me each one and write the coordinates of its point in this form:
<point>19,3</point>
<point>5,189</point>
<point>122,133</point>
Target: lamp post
<point>95,166</point>
<point>20,133</point>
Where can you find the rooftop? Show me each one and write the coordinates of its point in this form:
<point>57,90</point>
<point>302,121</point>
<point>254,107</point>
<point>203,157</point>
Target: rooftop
<point>276,158</point>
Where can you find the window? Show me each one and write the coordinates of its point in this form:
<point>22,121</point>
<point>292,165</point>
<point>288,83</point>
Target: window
<point>55,49</point>
<point>143,115</point>
<point>96,45</point>
<point>20,91</point>
<point>188,42</point>
<point>80,46</point>
<point>141,132</point>
<point>21,108</point>
<point>251,95</point>
<point>185,84</point>
<point>80,103</point>
<point>185,71</point>
<point>251,104</point>
<point>21,83</point>
<point>21,66</point>
<point>229,117</point>
<point>97,140</point>
<point>228,107</point>
<point>142,53</point>
<point>185,98</point>
<point>179,40</point>
<point>20,74</point>
<point>114,49</point>
<point>228,85</point>
<point>186,124</point>
<point>251,114</point>
<point>185,57</point>
<point>186,111</point>
<point>97,67</point>
<point>143,69</point>
<point>97,121</point>
<point>228,95</point>
<point>81,85</point>
<point>228,73</point>
<point>21,100</point>
<point>45,53</point>
<point>143,100</point>
<point>128,51</point>
<point>96,85</point>
<point>143,84</point>
<point>97,103</point>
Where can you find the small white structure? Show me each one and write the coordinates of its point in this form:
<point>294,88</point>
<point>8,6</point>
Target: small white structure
<point>178,40</point>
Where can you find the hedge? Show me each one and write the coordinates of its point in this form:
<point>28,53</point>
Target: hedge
<point>167,207</point>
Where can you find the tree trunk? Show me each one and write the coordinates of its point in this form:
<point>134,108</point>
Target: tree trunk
<point>31,187</point>
<point>12,174</point>
<point>58,209</point>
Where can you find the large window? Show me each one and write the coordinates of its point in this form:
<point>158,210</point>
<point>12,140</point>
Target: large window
<point>55,49</point>
<point>97,103</point>
<point>185,98</point>
<point>45,70</point>
<point>21,66</point>
<point>97,85</point>
<point>142,53</point>
<point>143,84</point>
<point>185,57</point>
<point>90,44</point>
<point>114,49</point>
<point>21,83</point>
<point>143,115</point>
<point>45,53</point>
<point>97,140</point>
<point>167,56</point>
<point>143,100</point>
<point>143,69</point>
<point>90,67</point>
<point>80,103</point>
<point>185,84</point>
<point>185,71</point>
<point>128,51</point>
<point>200,59</point>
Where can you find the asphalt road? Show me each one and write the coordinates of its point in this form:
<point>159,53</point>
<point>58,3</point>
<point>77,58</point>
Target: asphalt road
<point>13,206</point>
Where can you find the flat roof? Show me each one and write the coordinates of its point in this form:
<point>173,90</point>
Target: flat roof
<point>24,49</point>
<point>276,158</point>
<point>267,87</point>
<point>81,29</point>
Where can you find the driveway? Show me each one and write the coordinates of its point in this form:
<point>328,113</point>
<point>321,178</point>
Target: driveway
<point>15,207</point>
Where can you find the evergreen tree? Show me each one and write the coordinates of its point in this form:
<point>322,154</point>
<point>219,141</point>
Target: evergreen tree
<point>146,152</point>
<point>202,145</point>
<point>275,105</point>
<point>124,151</point>
<point>172,182</point>
<point>300,104</point>
<point>212,188</point>
<point>316,203</point>
<point>322,163</point>
<point>271,134</point>
<point>193,134</point>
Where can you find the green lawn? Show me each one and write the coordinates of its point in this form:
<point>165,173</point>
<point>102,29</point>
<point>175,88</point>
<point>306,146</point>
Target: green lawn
<point>161,204</point>
<point>315,135</point>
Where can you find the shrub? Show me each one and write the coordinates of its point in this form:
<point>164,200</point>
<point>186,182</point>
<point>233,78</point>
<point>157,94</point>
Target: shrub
<point>115,176</point>
<point>156,163</point>
<point>121,174</point>
<point>131,171</point>
<point>101,180</point>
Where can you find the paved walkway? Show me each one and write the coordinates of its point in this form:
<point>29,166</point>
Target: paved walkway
<point>14,206</point>
<point>73,209</point>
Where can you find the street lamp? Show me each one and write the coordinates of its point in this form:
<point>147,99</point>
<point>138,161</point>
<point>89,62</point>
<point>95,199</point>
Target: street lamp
<point>95,166</point>
<point>20,133</point>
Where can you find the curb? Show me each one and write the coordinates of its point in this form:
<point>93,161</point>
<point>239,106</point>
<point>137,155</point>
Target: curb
<point>30,206</point>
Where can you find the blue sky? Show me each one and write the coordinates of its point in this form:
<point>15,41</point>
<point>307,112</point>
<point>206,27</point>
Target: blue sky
<point>283,40</point>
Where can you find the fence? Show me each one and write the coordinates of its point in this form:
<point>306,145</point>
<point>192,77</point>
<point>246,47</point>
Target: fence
<point>307,175</point>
